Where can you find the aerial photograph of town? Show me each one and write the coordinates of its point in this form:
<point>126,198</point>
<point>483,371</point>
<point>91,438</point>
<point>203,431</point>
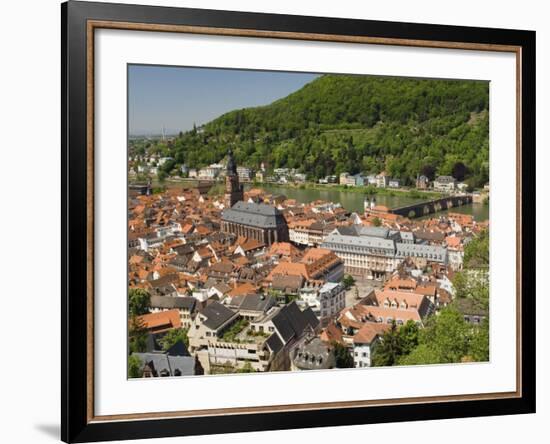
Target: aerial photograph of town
<point>285,221</point>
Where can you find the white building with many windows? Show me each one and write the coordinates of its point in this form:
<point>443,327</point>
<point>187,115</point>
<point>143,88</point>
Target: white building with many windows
<point>445,183</point>
<point>375,252</point>
<point>326,301</point>
<point>332,299</point>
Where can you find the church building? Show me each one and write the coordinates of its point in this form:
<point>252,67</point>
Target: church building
<point>262,222</point>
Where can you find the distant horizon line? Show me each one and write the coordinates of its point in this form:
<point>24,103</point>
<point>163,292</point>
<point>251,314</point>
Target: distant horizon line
<point>167,133</point>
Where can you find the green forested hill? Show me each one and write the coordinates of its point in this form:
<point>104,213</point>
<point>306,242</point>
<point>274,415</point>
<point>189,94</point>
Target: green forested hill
<point>365,124</point>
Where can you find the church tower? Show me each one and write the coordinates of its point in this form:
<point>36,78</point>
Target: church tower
<point>233,189</point>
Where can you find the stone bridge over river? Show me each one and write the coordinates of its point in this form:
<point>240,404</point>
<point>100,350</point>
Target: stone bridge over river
<point>424,208</point>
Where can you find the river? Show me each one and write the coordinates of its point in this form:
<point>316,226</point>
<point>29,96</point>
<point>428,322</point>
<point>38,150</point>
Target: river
<point>353,201</point>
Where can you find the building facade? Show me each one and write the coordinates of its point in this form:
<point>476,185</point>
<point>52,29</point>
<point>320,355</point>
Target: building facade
<point>445,183</point>
<point>245,174</point>
<point>374,253</point>
<point>332,299</point>
<point>262,222</point>
<point>422,182</point>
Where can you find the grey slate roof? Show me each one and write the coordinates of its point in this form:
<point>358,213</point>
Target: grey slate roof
<point>217,315</point>
<point>407,236</point>
<point>178,349</point>
<point>314,355</point>
<point>253,214</point>
<point>173,302</point>
<point>358,241</point>
<point>291,322</point>
<point>430,252</point>
<point>445,179</point>
<point>283,327</point>
<point>360,230</point>
<point>310,317</point>
<point>380,232</point>
<point>274,343</point>
<point>252,302</point>
<point>352,230</point>
<point>161,361</point>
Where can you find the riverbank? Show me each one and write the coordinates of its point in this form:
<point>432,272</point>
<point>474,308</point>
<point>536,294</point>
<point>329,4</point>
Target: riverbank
<point>364,190</point>
<point>351,198</point>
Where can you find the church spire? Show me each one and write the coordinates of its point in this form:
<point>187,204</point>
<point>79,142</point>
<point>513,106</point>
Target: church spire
<point>233,189</point>
<point>231,165</point>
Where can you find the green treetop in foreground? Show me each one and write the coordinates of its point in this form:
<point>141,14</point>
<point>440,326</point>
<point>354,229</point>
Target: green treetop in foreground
<point>395,343</point>
<point>342,356</point>
<point>472,282</point>
<point>173,336</point>
<point>139,302</point>
<point>445,339</point>
<point>134,367</point>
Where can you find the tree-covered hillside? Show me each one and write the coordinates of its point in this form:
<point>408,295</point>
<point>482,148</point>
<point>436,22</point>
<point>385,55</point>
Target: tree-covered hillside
<point>356,124</point>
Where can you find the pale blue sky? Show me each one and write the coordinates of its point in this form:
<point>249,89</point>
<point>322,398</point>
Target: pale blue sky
<point>177,97</point>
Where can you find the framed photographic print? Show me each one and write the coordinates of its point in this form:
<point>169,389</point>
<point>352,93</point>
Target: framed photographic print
<point>276,221</point>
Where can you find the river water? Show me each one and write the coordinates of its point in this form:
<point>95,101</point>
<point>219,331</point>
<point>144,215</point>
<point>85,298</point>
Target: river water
<point>353,201</point>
